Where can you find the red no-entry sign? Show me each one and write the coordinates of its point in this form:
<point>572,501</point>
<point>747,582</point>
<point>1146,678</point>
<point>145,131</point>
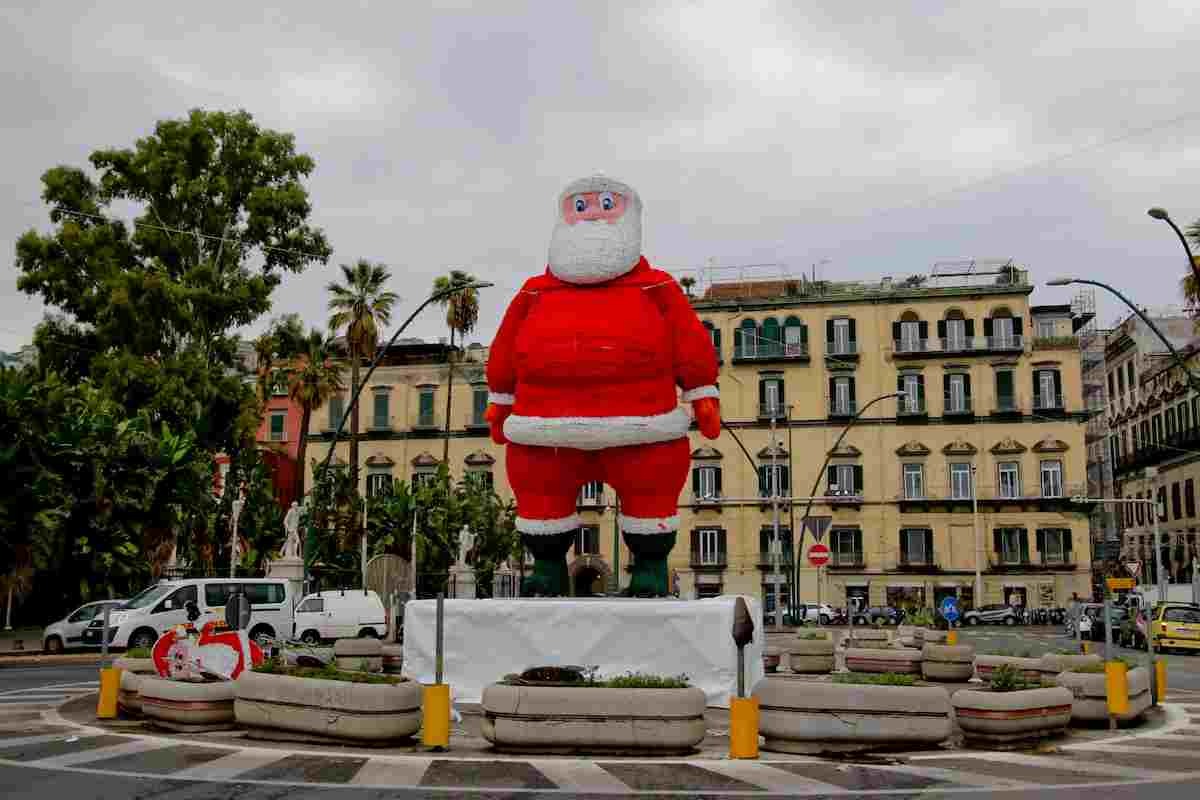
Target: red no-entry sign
<point>818,555</point>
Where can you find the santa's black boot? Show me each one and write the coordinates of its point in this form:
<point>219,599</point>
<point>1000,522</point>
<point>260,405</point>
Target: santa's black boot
<point>649,573</point>
<point>549,578</point>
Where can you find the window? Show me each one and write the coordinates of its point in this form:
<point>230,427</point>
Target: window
<point>423,477</point>
<point>1146,434</point>
<point>178,599</point>
<point>379,417</point>
<point>766,545</point>
<point>916,546</point>
<point>1161,503</point>
<point>1120,382</point>
<point>1009,479</point>
<point>914,481</point>
<point>587,540</point>
<point>1131,380</point>
<point>279,383</point>
<point>337,409</point>
<point>845,480</point>
<point>1181,615</point>
<point>960,481</point>
<point>480,478</point>
<point>1049,389</point>
<point>1003,332</point>
<point>1156,428</point>
<point>841,337</point>
<point>1012,545</point>
<point>1170,423</point>
<point>841,396</point>
<point>1054,545</point>
<point>1140,510</point>
<point>773,480</point>
<point>1052,479</point>
<point>278,432</point>
<point>312,604</point>
<point>714,333</point>
<point>708,547</point>
<point>479,404</point>
<point>1176,501</point>
<point>770,397</point>
<point>592,494</point>
<point>1181,412</point>
<point>425,407</point>
<point>1189,498</point>
<point>1045,328</point>
<point>745,339</point>
<point>379,481</point>
<point>1006,397</point>
<point>846,547</point>
<point>86,614</point>
<point>909,335</point>
<point>955,333</point>
<point>706,482</point>
<point>956,393</point>
<point>795,337</point>
<point>262,594</point>
<point>913,386</point>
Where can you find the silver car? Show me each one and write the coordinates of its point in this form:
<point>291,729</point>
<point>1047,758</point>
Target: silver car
<point>68,631</point>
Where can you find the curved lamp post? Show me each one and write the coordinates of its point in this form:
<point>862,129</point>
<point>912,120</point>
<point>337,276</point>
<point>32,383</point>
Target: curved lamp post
<point>1192,379</point>
<point>1161,214</point>
<point>310,538</point>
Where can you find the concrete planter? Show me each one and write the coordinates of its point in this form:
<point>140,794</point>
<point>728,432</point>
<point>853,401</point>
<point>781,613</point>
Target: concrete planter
<point>1052,664</point>
<point>358,655</point>
<point>393,659</point>
<point>942,662</point>
<point>568,719</point>
<point>1012,716</point>
<point>866,637</point>
<point>930,636</point>
<point>902,660</point>
<point>771,657</point>
<point>906,636</point>
<point>1030,668</point>
<point>1090,694</point>
<point>138,666</point>
<point>129,702</point>
<point>312,708</point>
<point>811,656</point>
<point>188,707</point>
<point>803,717</point>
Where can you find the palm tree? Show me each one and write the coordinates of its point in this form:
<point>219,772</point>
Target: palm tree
<point>360,306</point>
<point>313,380</point>
<point>264,357</point>
<point>462,312</point>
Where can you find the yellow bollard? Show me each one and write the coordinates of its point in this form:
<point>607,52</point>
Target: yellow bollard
<point>743,727</point>
<point>951,637</point>
<point>110,685</point>
<point>1160,676</point>
<point>435,721</point>
<point>1083,647</point>
<point>1116,686</point>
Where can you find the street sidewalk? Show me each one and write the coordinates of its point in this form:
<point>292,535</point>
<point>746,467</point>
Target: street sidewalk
<point>21,640</point>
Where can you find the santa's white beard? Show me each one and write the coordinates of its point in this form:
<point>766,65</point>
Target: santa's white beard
<point>594,252</point>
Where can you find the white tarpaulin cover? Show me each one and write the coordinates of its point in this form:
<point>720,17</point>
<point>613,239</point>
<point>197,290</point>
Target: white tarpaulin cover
<point>488,639</point>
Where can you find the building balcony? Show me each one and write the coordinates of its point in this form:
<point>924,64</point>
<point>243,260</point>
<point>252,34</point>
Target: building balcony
<point>475,422</point>
<point>1154,454</point>
<point>708,561</point>
<point>1035,563</point>
<point>909,408</point>
<point>915,564</point>
<point>960,345</point>
<point>843,410</point>
<point>1052,403</point>
<point>948,499</point>
<point>846,561</point>
<point>1007,405</point>
<point>957,406</point>
<point>591,502</point>
<point>701,500</point>
<point>770,351</point>
<point>840,498</point>
<point>766,560</point>
<point>769,411</point>
<point>841,351</point>
<point>426,422</point>
<point>1058,343</point>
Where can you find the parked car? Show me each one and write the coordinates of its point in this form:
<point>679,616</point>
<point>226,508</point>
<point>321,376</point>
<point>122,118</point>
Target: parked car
<point>876,615</point>
<point>153,611</point>
<point>813,613</point>
<point>1176,626</point>
<point>1117,616</point>
<point>340,614</point>
<point>997,614</point>
<point>68,631</point>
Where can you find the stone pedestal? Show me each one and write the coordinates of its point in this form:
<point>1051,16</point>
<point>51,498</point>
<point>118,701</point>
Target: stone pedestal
<point>292,569</point>
<point>462,583</point>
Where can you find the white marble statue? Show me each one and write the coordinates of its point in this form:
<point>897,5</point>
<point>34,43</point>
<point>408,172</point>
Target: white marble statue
<point>291,524</point>
<point>466,540</point>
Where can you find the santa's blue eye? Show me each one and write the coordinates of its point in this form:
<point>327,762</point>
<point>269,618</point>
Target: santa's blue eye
<point>607,202</point>
<point>580,204</point>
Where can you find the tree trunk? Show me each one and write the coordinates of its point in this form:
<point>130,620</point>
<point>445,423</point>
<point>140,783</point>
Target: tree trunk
<point>353,422</point>
<point>449,394</point>
<point>301,450</point>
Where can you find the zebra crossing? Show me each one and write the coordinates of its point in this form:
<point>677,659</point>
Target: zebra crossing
<point>34,735</point>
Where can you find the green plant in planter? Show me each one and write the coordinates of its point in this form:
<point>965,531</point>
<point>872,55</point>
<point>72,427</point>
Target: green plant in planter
<point>870,679</point>
<point>326,673</point>
<point>139,652</point>
<point>1007,678</point>
<point>811,635</point>
<point>923,618</point>
<point>639,680</point>
<point>1094,669</point>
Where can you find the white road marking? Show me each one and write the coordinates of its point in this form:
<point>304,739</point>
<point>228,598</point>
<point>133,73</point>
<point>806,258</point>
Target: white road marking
<point>11,744</point>
<point>764,776</point>
<point>580,776</point>
<point>1073,765</point>
<point>100,753</point>
<point>392,772</point>
<point>960,776</point>
<point>232,765</point>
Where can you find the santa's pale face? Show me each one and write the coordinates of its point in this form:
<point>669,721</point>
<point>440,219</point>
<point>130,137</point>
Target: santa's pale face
<point>598,237</point>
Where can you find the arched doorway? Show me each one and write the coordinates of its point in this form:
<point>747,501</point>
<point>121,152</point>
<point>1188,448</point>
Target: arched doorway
<point>589,575</point>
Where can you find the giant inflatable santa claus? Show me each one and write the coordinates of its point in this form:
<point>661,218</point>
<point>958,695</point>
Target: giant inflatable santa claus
<point>590,378</point>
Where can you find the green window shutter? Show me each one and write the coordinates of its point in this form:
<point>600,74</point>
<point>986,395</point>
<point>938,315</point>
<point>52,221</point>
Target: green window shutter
<point>1066,535</point>
<point>920,391</point>
<point>1017,329</point>
<point>853,332</point>
<point>1004,383</point>
<point>895,331</point>
<point>941,329</point>
<point>858,479</point>
<point>967,385</point>
<point>998,541</point>
<point>1058,395</point>
<point>829,330</point>
<point>851,380</point>
<point>1041,542</point>
<point>425,408</point>
<point>929,544</point>
<point>946,385</point>
<point>923,330</point>
<point>830,478</point>
<point>970,331</point>
<point>381,410</point>
<point>277,422</point>
<point>1024,536</point>
<point>717,470</point>
<point>696,481</point>
<point>695,545</point>
<point>336,410</point>
<point>716,337</point>
<point>785,478</point>
<point>479,405</point>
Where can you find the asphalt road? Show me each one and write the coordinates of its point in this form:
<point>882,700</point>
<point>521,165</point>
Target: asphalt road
<point>28,677</point>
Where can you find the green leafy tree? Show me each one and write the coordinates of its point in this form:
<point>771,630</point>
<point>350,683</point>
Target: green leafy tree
<point>314,378</point>
<point>360,307</point>
<point>462,314</point>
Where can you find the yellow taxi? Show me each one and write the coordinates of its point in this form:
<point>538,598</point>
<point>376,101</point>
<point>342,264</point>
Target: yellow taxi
<point>1176,625</point>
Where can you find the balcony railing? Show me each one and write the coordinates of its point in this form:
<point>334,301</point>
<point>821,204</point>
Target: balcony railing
<point>959,345</point>
<point>473,420</point>
<point>426,421</point>
<point>841,348</point>
<point>846,409</point>
<point>843,560</point>
<point>1035,561</point>
<point>591,500</point>
<point>764,350</point>
<point>960,405</point>
<point>843,497</point>
<point>767,559</point>
<point>908,406</point>
<point>712,560</point>
<point>772,411</point>
<point>711,499</point>
<point>1007,404</point>
<point>380,424</point>
<point>1171,447</point>
<point>1052,401</point>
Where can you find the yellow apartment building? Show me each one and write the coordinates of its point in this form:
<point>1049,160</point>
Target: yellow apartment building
<point>972,468</point>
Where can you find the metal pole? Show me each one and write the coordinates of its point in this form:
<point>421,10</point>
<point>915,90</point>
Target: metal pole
<point>104,639</point>
<point>440,651</point>
<point>776,546</point>
<point>741,668</point>
<point>616,545</point>
<point>8,608</point>
<point>1158,559</point>
<point>1108,639</point>
<point>978,599</point>
<point>364,548</point>
<point>1162,598</point>
<point>1192,265</point>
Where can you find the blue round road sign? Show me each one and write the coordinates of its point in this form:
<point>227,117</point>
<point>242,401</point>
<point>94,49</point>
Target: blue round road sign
<point>950,609</point>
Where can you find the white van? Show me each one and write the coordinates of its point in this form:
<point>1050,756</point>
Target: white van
<point>155,610</point>
<point>339,614</point>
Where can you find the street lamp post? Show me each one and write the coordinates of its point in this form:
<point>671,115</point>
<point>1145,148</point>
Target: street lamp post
<point>233,541</point>
<point>977,602</point>
<point>1161,214</point>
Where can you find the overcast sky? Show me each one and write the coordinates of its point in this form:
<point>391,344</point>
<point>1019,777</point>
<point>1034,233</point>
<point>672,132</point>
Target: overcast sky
<point>754,133</point>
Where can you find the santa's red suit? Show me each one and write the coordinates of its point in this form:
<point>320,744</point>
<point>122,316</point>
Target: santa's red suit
<point>588,370</point>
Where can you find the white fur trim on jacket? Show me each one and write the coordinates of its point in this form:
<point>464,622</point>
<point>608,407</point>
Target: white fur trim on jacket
<point>597,433</point>
<point>701,391</point>
<point>548,527</point>
<point>648,524</point>
<point>501,399</point>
